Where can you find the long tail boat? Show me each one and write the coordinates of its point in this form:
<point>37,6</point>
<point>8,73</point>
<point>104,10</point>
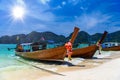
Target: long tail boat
<point>89,51</point>
<point>113,48</point>
<point>53,54</point>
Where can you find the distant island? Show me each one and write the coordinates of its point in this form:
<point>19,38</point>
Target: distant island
<point>83,37</point>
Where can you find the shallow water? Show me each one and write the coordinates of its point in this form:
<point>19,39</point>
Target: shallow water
<point>8,60</point>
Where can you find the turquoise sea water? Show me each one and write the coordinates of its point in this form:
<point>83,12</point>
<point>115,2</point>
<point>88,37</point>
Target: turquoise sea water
<point>6,56</point>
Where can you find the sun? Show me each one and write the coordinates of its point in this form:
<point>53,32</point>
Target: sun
<point>18,12</point>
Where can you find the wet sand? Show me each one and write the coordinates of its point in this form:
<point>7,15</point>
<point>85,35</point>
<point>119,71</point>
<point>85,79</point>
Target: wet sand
<point>102,68</point>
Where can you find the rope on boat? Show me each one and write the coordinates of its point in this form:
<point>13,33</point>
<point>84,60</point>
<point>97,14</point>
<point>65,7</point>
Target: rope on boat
<point>41,68</point>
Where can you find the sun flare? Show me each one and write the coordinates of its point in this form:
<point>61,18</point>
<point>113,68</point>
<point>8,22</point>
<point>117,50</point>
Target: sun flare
<point>18,12</point>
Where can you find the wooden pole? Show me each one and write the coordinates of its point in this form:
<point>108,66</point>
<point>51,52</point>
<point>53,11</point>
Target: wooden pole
<point>103,37</point>
<point>74,35</point>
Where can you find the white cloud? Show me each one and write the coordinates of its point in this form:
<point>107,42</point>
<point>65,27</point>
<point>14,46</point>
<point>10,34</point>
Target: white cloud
<point>74,2</point>
<point>39,27</point>
<point>44,1</point>
<point>20,2</point>
<point>47,17</point>
<point>58,7</point>
<point>88,21</point>
<point>39,12</point>
<point>63,3</point>
<point>113,29</point>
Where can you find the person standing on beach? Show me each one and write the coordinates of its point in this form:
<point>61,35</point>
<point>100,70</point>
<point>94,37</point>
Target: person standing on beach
<point>68,47</point>
<point>99,46</point>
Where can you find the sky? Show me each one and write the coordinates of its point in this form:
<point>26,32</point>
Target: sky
<point>59,16</point>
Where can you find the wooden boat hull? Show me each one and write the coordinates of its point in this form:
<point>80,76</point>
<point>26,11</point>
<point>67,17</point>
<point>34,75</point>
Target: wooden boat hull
<point>89,51</point>
<point>49,54</point>
<point>53,54</point>
<point>114,48</point>
<point>86,52</point>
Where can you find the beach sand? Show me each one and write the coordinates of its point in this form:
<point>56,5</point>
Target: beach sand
<point>101,68</point>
